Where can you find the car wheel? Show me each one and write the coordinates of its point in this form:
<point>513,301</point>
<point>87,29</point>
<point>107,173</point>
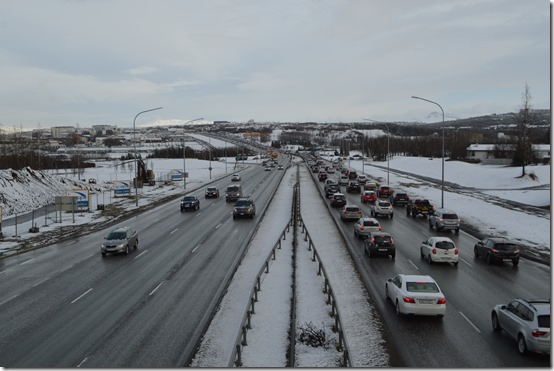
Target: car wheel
<point>234,217</point>
<point>475,252</point>
<point>391,215</point>
<point>393,255</point>
<point>489,259</point>
<point>103,254</point>
<point>413,214</point>
<point>455,264</point>
<point>495,323</point>
<point>521,345</point>
<point>136,244</point>
<point>439,229</point>
<point>421,253</point>
<point>386,292</point>
<point>429,259</point>
<point>127,250</point>
<point>515,262</point>
<point>440,315</point>
<point>369,252</point>
<point>397,307</point>
<point>430,225</point>
<point>457,230</point>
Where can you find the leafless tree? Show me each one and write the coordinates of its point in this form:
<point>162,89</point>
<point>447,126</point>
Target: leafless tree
<point>523,150</point>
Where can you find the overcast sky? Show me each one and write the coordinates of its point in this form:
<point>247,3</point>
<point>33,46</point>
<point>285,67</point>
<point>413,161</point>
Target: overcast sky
<point>101,62</point>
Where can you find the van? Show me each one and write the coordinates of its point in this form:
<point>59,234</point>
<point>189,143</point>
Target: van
<point>233,192</point>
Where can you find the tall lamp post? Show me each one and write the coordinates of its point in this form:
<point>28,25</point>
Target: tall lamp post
<point>388,148</point>
<point>184,157</point>
<point>135,150</point>
<point>442,182</point>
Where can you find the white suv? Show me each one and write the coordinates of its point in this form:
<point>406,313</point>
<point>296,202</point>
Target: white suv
<point>444,219</point>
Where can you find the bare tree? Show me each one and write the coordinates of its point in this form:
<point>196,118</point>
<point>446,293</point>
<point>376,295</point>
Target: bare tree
<point>523,150</point>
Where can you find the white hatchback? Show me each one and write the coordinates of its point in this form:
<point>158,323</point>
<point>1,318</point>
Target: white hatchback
<point>439,249</point>
<point>415,295</point>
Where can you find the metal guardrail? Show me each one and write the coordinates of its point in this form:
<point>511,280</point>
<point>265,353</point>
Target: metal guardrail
<point>241,340</point>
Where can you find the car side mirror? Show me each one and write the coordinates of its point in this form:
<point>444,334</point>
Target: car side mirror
<point>389,280</point>
<point>503,306</point>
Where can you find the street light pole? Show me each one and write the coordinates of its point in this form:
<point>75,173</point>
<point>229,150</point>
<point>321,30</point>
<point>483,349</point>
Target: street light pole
<point>388,148</point>
<point>135,150</point>
<point>442,182</point>
<point>184,148</point>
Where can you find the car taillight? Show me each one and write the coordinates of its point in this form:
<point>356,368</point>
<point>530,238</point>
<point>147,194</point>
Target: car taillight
<point>459,220</point>
<point>408,299</point>
<point>441,220</point>
<point>494,250</point>
<point>434,251</point>
<point>380,228</point>
<point>373,241</point>
<point>392,241</point>
<point>536,333</point>
<point>517,251</point>
<point>441,301</point>
<point>456,252</point>
<point>361,228</point>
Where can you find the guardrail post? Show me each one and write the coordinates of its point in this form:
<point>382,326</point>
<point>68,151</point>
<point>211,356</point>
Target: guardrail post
<point>244,343</point>
<point>252,306</point>
<point>279,244</point>
<point>238,361</point>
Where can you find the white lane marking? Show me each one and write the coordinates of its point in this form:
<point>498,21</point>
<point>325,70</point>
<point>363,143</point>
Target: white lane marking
<point>465,261</point>
<point>27,261</point>
<point>39,282</point>
<point>412,263</point>
<point>157,287</point>
<point>193,250</point>
<point>467,319</point>
<point>10,298</point>
<point>139,255</point>
<point>90,256</point>
<point>3,272</point>
<point>173,231</point>
<point>86,292</point>
<point>70,243</point>
<point>197,214</point>
<point>83,361</point>
<point>217,226</point>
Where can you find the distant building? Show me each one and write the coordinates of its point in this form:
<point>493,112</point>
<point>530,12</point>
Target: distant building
<point>486,153</point>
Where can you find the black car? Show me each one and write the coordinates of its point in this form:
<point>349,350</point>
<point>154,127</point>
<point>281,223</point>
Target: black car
<point>399,199</point>
<point>338,200</point>
<point>244,207</point>
<point>211,192</point>
<point>497,250</point>
<point>190,203</point>
<point>379,243</point>
<point>353,187</point>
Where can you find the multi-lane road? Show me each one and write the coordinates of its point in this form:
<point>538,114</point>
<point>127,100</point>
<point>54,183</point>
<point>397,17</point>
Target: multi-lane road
<point>464,337</point>
<point>66,306</point>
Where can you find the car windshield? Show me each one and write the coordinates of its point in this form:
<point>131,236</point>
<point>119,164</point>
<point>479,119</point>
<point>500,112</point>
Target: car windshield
<point>242,203</point>
<point>211,189</point>
<point>422,287</point>
<point>446,245</point>
<point>117,236</point>
<point>189,198</point>
<point>544,320</point>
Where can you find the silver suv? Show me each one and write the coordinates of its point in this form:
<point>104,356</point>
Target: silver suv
<point>526,321</point>
<point>444,219</point>
<point>120,240</point>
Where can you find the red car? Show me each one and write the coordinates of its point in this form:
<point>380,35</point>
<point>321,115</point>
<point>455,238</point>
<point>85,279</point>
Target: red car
<point>385,191</point>
<point>368,196</point>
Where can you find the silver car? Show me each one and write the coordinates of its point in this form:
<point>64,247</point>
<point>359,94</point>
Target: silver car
<point>527,322</point>
<point>444,219</point>
<point>382,208</point>
<point>365,225</point>
<point>120,240</point>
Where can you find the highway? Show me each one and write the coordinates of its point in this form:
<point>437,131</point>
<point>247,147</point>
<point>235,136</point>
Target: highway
<point>464,337</point>
<point>66,306</point>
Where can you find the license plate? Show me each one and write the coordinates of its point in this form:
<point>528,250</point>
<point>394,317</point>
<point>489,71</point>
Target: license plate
<point>383,249</point>
<point>426,301</point>
<point>507,260</point>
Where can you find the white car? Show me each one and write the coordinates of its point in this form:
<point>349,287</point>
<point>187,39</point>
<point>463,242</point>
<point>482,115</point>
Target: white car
<point>381,207</point>
<point>235,178</point>
<point>365,225</point>
<point>362,178</point>
<point>439,249</point>
<point>415,295</point>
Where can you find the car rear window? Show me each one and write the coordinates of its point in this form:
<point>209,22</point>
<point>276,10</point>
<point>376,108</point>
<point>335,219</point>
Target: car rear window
<point>449,216</point>
<point>422,202</point>
<point>505,246</point>
<point>353,209</point>
<point>341,197</point>
<point>544,320</point>
<point>382,240</point>
<point>422,287</point>
<point>370,223</point>
<point>384,203</point>
<point>446,245</point>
